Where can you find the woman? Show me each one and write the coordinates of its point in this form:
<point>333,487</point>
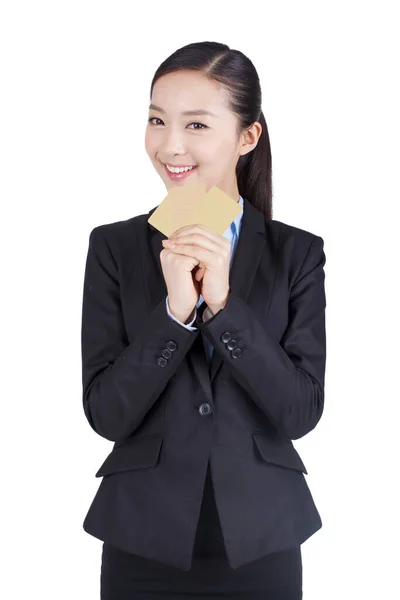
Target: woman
<point>204,359</point>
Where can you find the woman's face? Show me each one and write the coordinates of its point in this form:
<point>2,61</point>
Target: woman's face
<point>208,141</point>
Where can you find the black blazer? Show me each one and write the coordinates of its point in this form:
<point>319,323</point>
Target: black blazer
<point>147,387</point>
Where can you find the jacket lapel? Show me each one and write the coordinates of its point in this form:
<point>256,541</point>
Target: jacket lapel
<point>248,253</point>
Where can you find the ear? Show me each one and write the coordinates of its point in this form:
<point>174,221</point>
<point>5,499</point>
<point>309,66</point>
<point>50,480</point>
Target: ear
<point>249,138</point>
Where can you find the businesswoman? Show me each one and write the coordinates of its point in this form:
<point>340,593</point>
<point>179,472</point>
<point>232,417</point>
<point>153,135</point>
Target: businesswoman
<point>203,358</point>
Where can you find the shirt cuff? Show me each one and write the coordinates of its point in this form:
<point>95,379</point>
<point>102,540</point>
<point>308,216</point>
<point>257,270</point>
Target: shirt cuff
<point>186,325</point>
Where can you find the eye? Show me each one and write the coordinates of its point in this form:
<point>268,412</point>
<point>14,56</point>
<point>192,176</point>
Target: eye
<point>202,126</point>
<point>152,119</point>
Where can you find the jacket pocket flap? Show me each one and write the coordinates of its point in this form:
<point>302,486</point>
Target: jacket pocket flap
<point>279,451</point>
<point>137,453</point>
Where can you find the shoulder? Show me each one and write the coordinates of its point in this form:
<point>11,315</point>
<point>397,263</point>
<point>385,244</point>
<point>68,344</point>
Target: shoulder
<point>291,238</point>
<point>287,232</point>
<point>299,249</point>
<point>116,229</point>
<point>118,234</point>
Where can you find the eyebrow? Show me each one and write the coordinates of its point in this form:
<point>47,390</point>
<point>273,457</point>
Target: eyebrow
<point>197,111</point>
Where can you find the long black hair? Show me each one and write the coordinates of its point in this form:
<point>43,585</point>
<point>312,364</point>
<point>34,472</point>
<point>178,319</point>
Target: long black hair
<point>233,70</point>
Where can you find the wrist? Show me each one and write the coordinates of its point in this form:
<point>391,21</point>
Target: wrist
<point>182,316</point>
<point>214,308</point>
<point>190,317</point>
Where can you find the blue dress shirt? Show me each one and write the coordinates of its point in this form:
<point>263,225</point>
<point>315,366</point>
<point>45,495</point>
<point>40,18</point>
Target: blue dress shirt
<point>232,233</point>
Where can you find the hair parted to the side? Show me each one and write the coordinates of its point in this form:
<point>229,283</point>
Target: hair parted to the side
<point>237,74</point>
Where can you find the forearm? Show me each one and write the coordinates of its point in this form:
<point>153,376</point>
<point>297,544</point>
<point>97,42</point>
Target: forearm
<point>122,380</point>
<point>117,399</point>
<point>285,379</point>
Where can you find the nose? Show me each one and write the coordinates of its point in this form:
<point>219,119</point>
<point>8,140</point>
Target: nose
<point>172,143</point>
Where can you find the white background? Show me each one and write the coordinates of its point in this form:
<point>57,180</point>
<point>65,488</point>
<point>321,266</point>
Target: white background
<point>75,81</point>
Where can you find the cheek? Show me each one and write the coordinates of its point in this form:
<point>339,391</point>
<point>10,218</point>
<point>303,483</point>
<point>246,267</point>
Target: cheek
<point>218,151</point>
<point>207,154</point>
<point>150,143</point>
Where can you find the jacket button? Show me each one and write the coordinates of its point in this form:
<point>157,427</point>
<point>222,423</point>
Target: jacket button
<point>166,353</point>
<point>171,345</point>
<point>205,409</point>
<point>236,353</point>
<point>225,337</point>
<point>231,344</point>
<point>162,362</point>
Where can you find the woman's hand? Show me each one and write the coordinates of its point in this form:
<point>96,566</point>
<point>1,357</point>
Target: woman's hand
<point>213,252</point>
<point>183,289</point>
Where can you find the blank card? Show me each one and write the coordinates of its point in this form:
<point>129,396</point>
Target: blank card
<point>192,204</point>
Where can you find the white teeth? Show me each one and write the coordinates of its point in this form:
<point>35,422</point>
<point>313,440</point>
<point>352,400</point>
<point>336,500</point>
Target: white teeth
<point>180,169</point>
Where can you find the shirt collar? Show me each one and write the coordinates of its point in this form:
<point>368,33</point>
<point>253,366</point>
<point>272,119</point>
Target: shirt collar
<point>234,227</point>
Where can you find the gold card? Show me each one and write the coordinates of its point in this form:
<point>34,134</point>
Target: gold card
<point>191,204</point>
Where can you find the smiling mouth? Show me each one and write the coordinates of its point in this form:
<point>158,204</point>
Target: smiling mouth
<point>186,169</point>
<point>178,166</point>
<point>179,175</point>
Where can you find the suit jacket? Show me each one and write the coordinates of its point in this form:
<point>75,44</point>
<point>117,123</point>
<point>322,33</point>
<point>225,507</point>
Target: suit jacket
<point>148,388</point>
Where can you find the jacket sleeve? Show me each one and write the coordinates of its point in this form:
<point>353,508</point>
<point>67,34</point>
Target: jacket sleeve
<point>286,379</point>
<point>122,379</point>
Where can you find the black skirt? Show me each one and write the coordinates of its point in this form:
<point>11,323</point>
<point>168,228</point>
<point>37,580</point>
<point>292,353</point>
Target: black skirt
<point>126,576</point>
